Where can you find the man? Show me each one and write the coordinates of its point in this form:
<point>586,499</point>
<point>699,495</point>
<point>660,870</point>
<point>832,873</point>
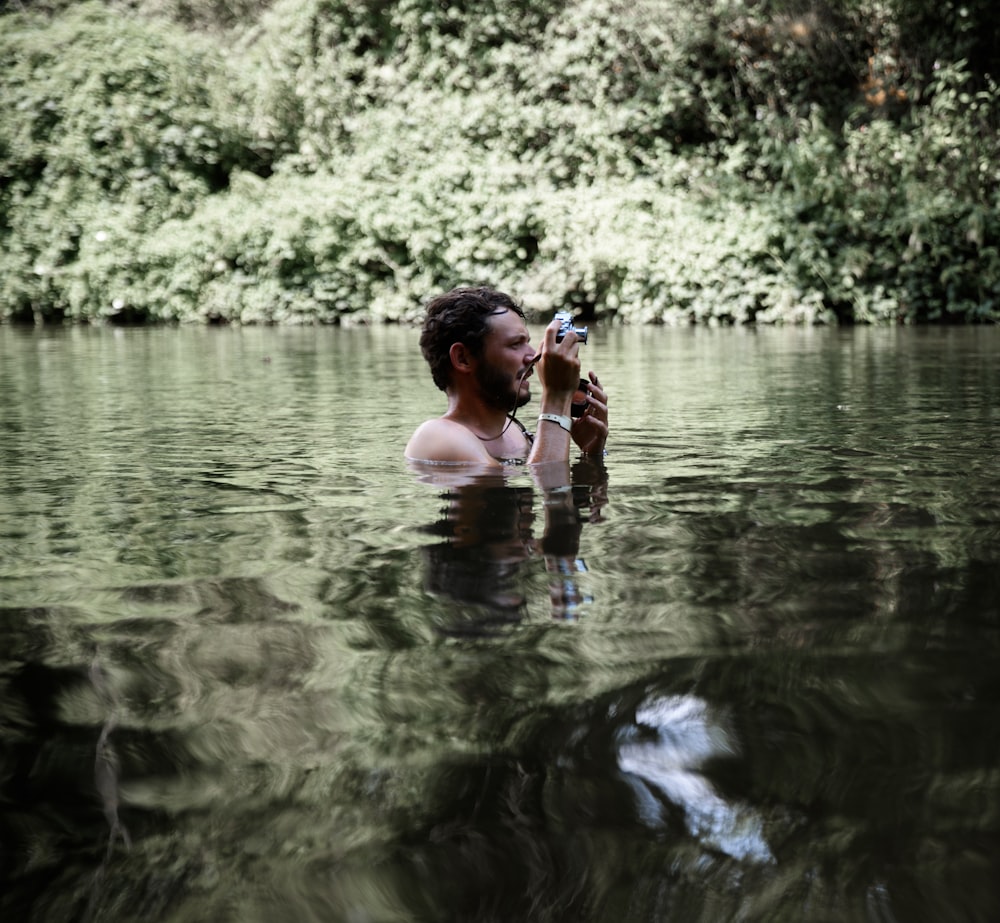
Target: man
<point>477,345</point>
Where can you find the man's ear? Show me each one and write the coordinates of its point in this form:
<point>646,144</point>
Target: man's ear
<point>461,358</point>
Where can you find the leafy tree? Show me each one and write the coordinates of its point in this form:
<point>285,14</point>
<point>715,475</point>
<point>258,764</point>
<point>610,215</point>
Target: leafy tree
<point>110,119</point>
<point>650,161</point>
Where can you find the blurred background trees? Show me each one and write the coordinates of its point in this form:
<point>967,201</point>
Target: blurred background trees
<point>652,161</point>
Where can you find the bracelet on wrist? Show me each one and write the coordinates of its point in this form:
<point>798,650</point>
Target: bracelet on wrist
<point>565,422</point>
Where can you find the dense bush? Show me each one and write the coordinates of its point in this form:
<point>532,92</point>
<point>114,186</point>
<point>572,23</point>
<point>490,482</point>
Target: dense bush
<point>110,122</point>
<point>650,161</point>
<point>900,219</point>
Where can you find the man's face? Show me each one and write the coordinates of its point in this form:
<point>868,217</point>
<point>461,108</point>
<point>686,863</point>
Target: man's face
<point>502,372</point>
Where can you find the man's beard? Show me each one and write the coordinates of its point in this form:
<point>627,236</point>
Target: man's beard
<point>500,391</point>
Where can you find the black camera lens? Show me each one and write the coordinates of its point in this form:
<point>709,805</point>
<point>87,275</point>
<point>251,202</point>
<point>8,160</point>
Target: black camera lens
<point>579,404</point>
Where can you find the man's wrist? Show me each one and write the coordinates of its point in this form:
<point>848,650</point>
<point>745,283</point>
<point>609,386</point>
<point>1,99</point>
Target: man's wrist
<point>556,403</point>
<point>559,419</point>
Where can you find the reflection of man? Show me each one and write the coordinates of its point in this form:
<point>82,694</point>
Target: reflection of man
<point>487,527</point>
<point>477,345</point>
<point>487,531</point>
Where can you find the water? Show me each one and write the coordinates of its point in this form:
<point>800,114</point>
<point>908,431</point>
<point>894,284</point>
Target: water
<point>255,668</point>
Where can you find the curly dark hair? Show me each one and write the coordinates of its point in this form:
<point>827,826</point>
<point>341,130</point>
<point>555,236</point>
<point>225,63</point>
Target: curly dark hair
<point>460,316</point>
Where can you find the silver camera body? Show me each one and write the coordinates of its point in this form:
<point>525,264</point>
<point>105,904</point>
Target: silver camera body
<point>565,319</point>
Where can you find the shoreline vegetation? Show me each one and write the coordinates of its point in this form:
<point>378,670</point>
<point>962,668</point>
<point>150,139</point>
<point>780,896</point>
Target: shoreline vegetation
<point>641,162</point>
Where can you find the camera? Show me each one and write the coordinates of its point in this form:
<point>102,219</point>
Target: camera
<point>565,319</point>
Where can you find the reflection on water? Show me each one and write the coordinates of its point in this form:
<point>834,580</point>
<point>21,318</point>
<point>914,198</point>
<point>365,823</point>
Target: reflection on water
<point>487,537</point>
<point>253,668</point>
<point>487,527</point>
<point>664,751</point>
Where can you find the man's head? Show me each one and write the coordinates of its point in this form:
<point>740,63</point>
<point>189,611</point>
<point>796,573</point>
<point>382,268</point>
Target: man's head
<point>462,315</point>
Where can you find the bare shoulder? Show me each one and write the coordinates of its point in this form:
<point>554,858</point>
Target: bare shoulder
<point>444,440</point>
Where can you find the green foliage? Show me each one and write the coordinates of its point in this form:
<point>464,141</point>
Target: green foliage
<point>102,109</point>
<point>900,220</point>
<point>207,15</point>
<point>324,249</point>
<point>651,161</point>
<point>941,32</point>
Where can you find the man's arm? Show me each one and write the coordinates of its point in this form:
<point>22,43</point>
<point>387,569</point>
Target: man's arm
<point>559,373</point>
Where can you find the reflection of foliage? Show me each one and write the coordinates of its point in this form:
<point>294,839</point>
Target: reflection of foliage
<point>654,161</point>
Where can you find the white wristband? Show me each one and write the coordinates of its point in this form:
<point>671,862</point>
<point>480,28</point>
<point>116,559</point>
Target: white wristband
<point>565,422</point>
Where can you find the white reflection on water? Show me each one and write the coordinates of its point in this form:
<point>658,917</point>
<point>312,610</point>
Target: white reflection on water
<point>681,738</point>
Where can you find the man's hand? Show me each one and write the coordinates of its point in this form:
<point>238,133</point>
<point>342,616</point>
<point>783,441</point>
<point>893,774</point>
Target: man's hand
<point>559,374</point>
<point>590,431</point>
<point>559,365</point>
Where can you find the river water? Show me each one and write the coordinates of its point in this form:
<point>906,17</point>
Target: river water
<point>253,667</point>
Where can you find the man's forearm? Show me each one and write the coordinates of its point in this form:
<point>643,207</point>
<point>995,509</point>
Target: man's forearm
<point>552,438</point>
